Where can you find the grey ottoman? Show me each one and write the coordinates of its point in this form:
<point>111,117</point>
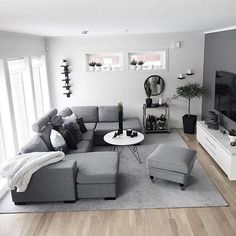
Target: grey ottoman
<point>171,163</point>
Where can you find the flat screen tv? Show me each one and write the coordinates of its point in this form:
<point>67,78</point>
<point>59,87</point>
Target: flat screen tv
<point>225,94</point>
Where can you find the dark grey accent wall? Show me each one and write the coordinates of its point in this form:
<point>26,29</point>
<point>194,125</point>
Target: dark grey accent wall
<point>219,54</point>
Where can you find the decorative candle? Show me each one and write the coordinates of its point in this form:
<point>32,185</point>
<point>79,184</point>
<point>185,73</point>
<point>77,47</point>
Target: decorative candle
<point>180,75</point>
<point>160,101</point>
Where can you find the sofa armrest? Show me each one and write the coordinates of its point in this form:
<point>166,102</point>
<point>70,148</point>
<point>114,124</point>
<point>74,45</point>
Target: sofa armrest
<point>55,182</point>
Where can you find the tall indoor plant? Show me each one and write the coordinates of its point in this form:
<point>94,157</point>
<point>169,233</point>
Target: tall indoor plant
<point>190,91</point>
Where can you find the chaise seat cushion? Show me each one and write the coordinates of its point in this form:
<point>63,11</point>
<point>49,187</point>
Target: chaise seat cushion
<point>90,126</point>
<point>103,128</point>
<point>171,158</point>
<point>96,167</point>
<point>82,146</point>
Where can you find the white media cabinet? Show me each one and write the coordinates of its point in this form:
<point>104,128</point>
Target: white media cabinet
<point>217,145</point>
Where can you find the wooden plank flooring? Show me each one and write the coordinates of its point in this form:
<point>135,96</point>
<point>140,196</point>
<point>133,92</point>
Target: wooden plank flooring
<point>182,221</point>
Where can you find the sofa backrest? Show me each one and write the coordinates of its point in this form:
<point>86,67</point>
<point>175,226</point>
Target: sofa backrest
<point>43,127</point>
<point>108,114</point>
<point>89,113</point>
<point>36,144</point>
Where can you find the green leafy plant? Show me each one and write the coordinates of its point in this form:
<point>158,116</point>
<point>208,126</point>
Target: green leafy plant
<point>133,62</point>
<point>190,91</point>
<point>140,63</point>
<point>148,89</point>
<point>232,132</point>
<point>92,63</point>
<point>98,64</point>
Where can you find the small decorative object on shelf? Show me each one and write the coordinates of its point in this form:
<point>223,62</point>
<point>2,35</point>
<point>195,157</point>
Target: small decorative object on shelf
<point>140,65</point>
<point>189,72</point>
<point>181,76</point>
<point>66,72</point>
<point>155,124</point>
<point>92,65</point>
<point>232,137</point>
<point>148,90</point>
<point>98,66</point>
<point>133,64</point>
<point>212,120</point>
<point>120,116</point>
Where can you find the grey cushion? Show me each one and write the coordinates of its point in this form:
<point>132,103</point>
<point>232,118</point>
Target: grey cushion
<point>108,113</point>
<point>37,126</point>
<point>97,167</point>
<point>132,123</point>
<point>89,113</point>
<point>40,123</point>
<point>172,158</point>
<point>52,113</point>
<point>88,136</point>
<point>56,121</point>
<point>74,128</point>
<point>82,146</point>
<point>65,112</point>
<point>44,133</point>
<point>90,126</point>
<point>36,144</point>
<point>103,128</point>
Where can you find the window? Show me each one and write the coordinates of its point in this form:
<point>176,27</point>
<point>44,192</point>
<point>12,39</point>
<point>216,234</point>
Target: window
<point>149,60</point>
<point>40,85</point>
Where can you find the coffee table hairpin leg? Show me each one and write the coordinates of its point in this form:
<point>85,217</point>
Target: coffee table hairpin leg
<point>134,150</point>
<point>117,149</point>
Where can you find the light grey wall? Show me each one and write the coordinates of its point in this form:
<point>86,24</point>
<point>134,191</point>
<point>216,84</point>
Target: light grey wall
<point>16,45</point>
<point>107,88</point>
<point>220,54</point>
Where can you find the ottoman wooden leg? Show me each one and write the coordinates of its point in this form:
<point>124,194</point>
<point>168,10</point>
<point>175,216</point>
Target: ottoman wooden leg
<point>152,178</point>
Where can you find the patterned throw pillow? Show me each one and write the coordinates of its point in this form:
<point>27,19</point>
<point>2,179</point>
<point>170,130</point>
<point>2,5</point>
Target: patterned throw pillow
<point>72,125</point>
<point>69,138</point>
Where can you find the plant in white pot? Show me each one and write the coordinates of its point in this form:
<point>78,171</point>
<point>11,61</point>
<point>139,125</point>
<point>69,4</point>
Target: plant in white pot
<point>133,64</point>
<point>232,137</point>
<point>140,65</point>
<point>92,65</point>
<point>98,66</point>
<point>190,91</point>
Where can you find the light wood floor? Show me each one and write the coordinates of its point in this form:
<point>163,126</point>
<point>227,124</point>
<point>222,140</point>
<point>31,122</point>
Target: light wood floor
<point>182,221</point>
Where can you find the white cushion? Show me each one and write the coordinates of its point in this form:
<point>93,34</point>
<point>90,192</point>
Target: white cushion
<point>57,140</point>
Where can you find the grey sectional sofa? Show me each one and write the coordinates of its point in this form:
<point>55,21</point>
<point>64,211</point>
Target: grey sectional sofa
<point>83,173</point>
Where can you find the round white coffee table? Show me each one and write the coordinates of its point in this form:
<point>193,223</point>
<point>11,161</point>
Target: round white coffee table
<point>123,140</point>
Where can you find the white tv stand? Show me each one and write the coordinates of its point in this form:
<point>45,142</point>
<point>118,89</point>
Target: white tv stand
<point>217,145</point>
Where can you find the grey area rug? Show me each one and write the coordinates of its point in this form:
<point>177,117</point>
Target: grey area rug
<point>135,190</point>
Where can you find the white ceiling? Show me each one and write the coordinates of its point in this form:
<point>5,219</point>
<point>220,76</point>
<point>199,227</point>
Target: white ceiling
<point>70,17</point>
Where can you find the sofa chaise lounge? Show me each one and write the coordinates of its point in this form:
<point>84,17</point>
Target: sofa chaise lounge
<point>83,173</point>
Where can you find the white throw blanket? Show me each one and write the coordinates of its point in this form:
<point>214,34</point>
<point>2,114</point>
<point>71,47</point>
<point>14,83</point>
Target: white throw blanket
<point>19,169</point>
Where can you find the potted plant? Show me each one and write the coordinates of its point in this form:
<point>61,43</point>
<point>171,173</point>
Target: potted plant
<point>232,137</point>
<point>190,91</point>
<point>148,91</point>
<point>120,116</point>
<point>140,65</point>
<point>92,65</point>
<point>98,66</point>
<point>133,64</point>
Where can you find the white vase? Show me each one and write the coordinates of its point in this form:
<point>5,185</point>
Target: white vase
<point>98,68</point>
<point>92,68</point>
<point>139,67</point>
<point>133,67</point>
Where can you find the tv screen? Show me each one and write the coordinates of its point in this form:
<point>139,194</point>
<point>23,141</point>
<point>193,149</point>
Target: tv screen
<point>225,94</point>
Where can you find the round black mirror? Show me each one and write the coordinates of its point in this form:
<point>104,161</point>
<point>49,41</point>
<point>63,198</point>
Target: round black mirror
<point>156,83</point>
